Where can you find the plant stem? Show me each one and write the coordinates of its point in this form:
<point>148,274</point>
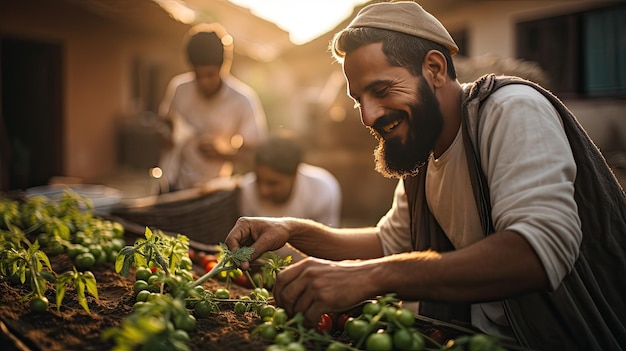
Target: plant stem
<point>219,267</point>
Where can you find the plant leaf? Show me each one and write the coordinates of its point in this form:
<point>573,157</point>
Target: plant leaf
<point>90,283</point>
<point>80,294</point>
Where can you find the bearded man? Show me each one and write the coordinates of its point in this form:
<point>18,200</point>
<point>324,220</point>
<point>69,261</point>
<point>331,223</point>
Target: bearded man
<point>506,216</point>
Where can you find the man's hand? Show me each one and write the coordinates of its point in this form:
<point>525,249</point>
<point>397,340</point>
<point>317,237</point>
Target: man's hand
<point>314,286</point>
<point>261,233</point>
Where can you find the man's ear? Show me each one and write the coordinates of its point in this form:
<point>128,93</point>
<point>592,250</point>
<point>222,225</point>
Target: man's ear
<point>435,68</point>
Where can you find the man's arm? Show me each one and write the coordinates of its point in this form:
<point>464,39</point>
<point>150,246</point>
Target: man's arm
<point>497,267</point>
<point>312,238</point>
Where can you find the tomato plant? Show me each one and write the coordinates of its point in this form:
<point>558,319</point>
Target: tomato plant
<point>380,325</point>
<point>63,226</point>
<point>80,281</point>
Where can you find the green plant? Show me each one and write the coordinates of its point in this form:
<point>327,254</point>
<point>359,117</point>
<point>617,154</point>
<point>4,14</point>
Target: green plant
<point>28,264</point>
<point>381,325</point>
<point>80,281</point>
<point>156,250</point>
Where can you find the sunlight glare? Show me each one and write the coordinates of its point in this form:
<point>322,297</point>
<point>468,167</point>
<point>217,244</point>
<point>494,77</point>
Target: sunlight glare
<point>303,19</point>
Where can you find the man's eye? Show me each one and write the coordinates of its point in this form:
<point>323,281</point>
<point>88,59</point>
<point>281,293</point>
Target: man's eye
<point>380,92</point>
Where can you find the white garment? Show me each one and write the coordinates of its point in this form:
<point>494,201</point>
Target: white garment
<point>234,110</point>
<point>316,195</point>
<point>530,171</point>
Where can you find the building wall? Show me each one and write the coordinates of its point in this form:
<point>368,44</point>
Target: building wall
<point>98,55</point>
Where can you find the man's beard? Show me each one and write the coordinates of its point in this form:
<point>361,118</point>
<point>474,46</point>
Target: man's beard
<point>397,159</point>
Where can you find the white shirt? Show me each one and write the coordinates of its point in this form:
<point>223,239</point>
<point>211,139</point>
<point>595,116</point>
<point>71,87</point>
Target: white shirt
<point>530,170</point>
<point>234,109</point>
<point>316,195</point>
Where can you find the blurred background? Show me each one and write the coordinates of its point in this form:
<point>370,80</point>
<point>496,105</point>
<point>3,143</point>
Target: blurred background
<point>81,80</point>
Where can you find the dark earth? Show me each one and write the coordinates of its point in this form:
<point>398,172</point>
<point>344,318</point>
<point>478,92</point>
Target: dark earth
<point>74,329</point>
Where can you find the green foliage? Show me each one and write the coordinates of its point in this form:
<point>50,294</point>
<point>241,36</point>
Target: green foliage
<point>157,249</point>
<point>275,263</point>
<point>381,325</point>
<point>33,228</point>
<point>80,281</point>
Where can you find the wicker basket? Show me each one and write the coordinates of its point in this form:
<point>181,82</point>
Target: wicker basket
<point>203,217</point>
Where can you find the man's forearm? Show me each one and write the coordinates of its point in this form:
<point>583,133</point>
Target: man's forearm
<point>321,241</point>
<point>501,265</point>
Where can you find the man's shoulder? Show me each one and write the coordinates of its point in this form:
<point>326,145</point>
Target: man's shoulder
<point>182,79</point>
<point>316,174</point>
<point>237,87</point>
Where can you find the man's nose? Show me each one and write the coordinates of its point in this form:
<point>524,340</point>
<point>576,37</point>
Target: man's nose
<point>370,111</point>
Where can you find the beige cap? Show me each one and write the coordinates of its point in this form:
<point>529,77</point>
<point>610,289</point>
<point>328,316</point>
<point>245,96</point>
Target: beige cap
<point>405,17</point>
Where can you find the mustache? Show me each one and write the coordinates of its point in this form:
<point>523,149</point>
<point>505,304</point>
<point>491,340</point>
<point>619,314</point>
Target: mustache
<point>377,126</point>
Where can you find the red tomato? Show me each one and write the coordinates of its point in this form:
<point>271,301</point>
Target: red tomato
<point>325,324</point>
<point>209,266</point>
<point>199,256</point>
<point>243,281</point>
<point>204,260</point>
<point>341,321</point>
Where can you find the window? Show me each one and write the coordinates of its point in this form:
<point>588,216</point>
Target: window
<point>582,53</point>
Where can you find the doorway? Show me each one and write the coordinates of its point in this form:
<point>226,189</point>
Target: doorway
<point>31,113</point>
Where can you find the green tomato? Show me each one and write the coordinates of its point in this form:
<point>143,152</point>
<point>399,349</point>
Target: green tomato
<point>142,296</point>
<point>55,248</point>
<point>295,346</point>
<point>284,338</point>
<point>180,335</point>
<point>371,308</point>
<point>222,293</point>
<point>261,292</point>
<point>405,317</point>
<point>379,342</point>
<point>185,322</point>
<point>356,328</point>
<point>84,260</point>
<point>267,312</point>
<point>267,331</point>
<point>140,285</point>
<point>39,304</point>
<point>403,339</point>
<point>143,273</point>
<point>154,280</point>
<point>418,342</point>
<point>240,307</point>
<point>280,317</point>
<point>202,309</point>
<point>118,229</point>
<point>96,250</point>
<point>118,243</point>
<point>76,249</point>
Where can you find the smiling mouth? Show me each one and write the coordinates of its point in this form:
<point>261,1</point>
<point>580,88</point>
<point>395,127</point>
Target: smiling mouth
<point>391,126</point>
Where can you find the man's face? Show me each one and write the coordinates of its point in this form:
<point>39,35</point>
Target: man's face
<point>208,79</point>
<point>398,107</point>
<point>272,186</point>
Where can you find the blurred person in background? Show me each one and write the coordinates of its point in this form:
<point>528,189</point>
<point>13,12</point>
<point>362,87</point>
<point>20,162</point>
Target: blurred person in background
<point>506,215</point>
<point>283,185</point>
<point>213,120</point>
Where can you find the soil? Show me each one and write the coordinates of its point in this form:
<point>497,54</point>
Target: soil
<point>74,329</point>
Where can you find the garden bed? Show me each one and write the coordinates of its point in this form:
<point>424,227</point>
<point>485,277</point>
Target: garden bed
<point>74,329</point>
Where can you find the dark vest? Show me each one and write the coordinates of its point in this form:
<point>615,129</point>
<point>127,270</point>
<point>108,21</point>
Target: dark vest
<point>588,309</point>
